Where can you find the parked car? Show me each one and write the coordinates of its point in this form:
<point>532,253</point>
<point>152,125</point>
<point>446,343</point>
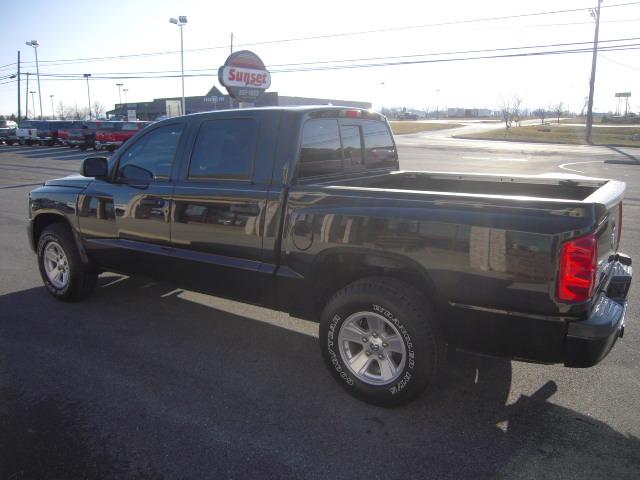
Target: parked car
<point>27,132</point>
<point>49,131</point>
<point>84,136</point>
<point>117,135</point>
<point>63,131</point>
<point>304,210</point>
<point>8,132</point>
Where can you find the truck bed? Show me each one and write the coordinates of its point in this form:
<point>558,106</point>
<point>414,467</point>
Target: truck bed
<point>546,186</point>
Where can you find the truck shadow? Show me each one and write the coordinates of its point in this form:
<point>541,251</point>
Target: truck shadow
<point>142,378</point>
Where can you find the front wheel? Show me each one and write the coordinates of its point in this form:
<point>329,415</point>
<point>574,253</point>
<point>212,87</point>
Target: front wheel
<point>61,268</point>
<point>380,341</point>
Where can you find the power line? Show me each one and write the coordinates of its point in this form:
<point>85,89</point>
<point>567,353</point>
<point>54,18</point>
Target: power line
<point>618,63</point>
<point>333,35</point>
<point>626,47</point>
<point>319,62</point>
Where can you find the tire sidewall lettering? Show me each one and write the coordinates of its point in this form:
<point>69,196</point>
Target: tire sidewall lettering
<point>334,356</point>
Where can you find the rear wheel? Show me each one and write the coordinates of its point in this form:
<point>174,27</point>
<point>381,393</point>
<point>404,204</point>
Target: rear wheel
<point>380,341</point>
<point>64,274</point>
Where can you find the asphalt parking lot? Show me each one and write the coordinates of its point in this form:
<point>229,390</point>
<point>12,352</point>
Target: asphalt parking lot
<point>144,380</point>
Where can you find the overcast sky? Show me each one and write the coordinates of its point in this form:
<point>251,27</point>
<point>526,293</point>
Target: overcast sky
<point>70,29</point>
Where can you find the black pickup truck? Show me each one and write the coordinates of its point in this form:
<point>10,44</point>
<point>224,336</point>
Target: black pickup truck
<point>305,210</point>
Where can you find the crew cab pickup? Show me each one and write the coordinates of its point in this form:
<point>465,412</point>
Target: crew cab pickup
<point>305,210</point>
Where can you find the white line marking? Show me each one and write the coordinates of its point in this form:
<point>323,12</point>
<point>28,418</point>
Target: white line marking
<point>564,165</point>
<point>497,159</point>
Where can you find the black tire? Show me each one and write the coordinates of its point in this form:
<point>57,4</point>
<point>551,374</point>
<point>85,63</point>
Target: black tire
<point>72,146</point>
<point>111,148</point>
<point>83,147</point>
<point>413,317</point>
<point>9,142</point>
<point>82,278</point>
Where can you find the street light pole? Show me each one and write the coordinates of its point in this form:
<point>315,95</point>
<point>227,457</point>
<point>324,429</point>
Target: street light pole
<point>53,114</point>
<point>119,85</point>
<point>35,44</point>
<point>125,90</point>
<point>26,97</point>
<point>592,81</point>
<point>87,75</point>
<point>33,102</point>
<point>181,22</point>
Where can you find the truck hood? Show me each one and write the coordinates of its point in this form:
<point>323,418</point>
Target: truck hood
<point>75,181</point>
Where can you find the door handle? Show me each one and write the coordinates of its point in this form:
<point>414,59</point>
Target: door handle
<point>152,202</point>
<point>250,210</point>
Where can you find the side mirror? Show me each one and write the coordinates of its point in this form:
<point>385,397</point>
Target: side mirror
<point>97,167</point>
<point>135,176</point>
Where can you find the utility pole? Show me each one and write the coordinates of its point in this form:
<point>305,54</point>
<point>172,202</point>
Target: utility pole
<point>87,75</point>
<point>53,113</point>
<point>592,82</point>
<point>26,98</point>
<point>231,43</point>
<point>19,113</point>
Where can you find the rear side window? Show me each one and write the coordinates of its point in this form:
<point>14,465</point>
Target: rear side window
<point>224,149</point>
<point>320,153</point>
<point>379,149</point>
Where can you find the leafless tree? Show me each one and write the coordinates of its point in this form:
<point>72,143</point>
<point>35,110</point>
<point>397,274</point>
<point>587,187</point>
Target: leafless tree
<point>516,105</point>
<point>98,109</point>
<point>541,113</point>
<point>510,110</point>
<point>558,109</point>
<point>61,110</point>
<point>506,112</point>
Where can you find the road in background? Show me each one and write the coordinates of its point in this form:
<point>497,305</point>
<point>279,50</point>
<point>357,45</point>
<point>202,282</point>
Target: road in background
<point>143,380</point>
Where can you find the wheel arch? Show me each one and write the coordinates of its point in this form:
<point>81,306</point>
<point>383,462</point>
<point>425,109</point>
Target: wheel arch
<point>336,268</point>
<point>41,221</point>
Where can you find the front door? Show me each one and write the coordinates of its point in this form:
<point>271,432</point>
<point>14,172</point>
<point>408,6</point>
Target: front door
<point>126,220</point>
<point>219,206</point>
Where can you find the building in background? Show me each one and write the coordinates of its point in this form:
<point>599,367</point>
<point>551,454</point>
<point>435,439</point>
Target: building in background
<point>216,100</point>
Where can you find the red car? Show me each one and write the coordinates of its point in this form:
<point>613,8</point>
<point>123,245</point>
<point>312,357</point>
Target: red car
<point>118,133</point>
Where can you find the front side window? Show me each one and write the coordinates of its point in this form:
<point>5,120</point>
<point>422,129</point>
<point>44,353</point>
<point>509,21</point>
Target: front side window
<point>320,152</point>
<point>224,149</point>
<point>153,152</point>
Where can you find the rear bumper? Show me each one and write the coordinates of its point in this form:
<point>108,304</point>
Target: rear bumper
<point>589,341</point>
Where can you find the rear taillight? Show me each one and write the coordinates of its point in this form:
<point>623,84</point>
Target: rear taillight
<point>578,266</point>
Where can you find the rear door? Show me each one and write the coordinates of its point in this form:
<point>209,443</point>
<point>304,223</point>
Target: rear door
<point>219,204</point>
<point>125,221</point>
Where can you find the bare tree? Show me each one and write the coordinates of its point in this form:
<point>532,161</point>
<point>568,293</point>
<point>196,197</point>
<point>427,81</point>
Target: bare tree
<point>98,109</point>
<point>558,109</point>
<point>516,105</point>
<point>510,110</point>
<point>541,113</point>
<point>61,110</point>
<point>506,112</point>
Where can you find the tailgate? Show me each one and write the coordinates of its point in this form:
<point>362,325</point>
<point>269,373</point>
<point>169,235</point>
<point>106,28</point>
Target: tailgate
<point>609,211</point>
